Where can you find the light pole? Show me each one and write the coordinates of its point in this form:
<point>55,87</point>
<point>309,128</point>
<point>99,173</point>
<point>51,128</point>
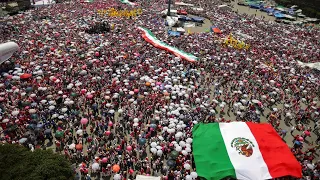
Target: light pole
<point>169,6</point>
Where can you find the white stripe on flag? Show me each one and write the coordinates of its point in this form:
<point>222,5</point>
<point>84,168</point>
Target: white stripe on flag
<point>246,168</point>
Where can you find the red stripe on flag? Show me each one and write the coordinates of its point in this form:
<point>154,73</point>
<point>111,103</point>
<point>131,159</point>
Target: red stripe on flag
<point>275,152</point>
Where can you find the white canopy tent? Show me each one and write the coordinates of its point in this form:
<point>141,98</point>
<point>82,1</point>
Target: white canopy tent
<point>141,177</point>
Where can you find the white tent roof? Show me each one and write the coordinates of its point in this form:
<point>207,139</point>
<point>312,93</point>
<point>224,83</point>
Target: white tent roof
<point>140,177</point>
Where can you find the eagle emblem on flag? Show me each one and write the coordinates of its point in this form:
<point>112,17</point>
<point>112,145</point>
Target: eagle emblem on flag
<point>243,146</point>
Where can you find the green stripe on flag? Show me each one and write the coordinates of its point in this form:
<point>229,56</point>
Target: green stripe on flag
<point>210,153</point>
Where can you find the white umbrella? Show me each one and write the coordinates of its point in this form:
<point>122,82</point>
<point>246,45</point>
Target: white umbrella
<point>178,134</point>
<point>184,152</point>
<point>189,140</point>
<point>79,131</point>
<point>153,150</point>
<point>32,111</point>
<point>64,109</point>
<point>187,166</point>
<point>159,152</point>
<point>194,175</point>
<point>153,144</point>
<point>14,113</point>
<point>72,146</point>
<point>95,166</point>
<point>5,120</point>
<point>178,148</point>
<point>117,177</point>
<point>160,138</point>
<point>43,101</point>
<point>52,102</point>
<point>255,101</point>
<point>188,149</point>
<point>182,144</point>
<point>188,177</point>
<point>310,166</point>
<point>83,72</point>
<point>243,101</point>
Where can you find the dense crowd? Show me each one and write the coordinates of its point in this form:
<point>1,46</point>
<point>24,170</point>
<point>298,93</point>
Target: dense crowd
<point>117,106</point>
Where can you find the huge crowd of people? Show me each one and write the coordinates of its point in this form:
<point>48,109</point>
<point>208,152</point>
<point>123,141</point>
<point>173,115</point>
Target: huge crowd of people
<point>118,107</point>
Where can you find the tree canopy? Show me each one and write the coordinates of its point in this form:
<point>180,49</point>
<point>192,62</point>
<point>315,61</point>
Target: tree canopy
<point>18,162</point>
<point>310,8</point>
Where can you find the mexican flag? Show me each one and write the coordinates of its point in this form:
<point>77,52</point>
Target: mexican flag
<point>246,151</point>
<point>149,37</point>
<point>128,2</point>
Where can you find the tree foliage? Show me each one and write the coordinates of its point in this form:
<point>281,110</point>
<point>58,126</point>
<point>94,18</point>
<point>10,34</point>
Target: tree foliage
<point>18,163</point>
<point>309,8</point>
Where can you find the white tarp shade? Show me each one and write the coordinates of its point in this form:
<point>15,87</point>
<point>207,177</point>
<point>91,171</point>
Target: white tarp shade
<point>44,2</point>
<point>183,4</point>
<point>225,7</point>
<point>140,177</point>
<point>311,65</point>
<point>189,24</point>
<point>280,9</point>
<point>198,9</point>
<point>6,50</point>
<point>172,11</point>
<point>171,21</point>
<point>288,16</point>
<point>14,4</point>
<point>180,29</point>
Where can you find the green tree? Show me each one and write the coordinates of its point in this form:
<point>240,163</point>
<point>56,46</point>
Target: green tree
<point>310,8</point>
<point>19,163</point>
